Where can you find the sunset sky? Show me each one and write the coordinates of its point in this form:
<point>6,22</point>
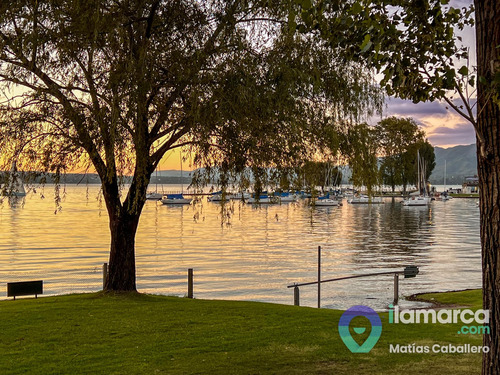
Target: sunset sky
<point>444,127</point>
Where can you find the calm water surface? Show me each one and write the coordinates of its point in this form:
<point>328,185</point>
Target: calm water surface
<point>253,254</point>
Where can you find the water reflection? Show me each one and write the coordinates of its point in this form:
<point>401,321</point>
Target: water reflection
<point>250,253</point>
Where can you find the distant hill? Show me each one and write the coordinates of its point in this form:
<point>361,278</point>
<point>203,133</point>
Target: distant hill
<point>172,173</point>
<point>461,161</point>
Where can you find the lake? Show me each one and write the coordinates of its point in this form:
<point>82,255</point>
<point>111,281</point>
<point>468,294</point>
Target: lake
<point>251,254</point>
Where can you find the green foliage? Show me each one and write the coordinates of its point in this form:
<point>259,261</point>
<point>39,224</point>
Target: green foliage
<point>426,151</point>
<point>312,174</point>
<point>409,171</point>
<point>411,43</point>
<point>397,138</point>
<point>361,147</point>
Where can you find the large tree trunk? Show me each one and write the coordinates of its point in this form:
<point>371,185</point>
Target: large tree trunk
<point>488,152</point>
<point>121,275</point>
<point>123,222</point>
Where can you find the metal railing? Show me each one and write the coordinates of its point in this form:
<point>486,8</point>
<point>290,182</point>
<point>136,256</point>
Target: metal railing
<point>408,272</point>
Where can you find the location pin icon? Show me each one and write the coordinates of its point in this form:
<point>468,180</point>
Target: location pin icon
<point>346,336</point>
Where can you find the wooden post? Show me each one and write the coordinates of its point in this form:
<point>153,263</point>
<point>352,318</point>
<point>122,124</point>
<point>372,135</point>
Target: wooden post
<point>296,300</point>
<point>190,283</point>
<point>319,277</point>
<point>104,274</point>
<point>396,289</point>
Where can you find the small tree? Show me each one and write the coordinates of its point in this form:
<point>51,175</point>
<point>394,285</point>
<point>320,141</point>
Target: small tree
<point>396,137</point>
<point>426,151</point>
<point>316,173</point>
<point>361,147</point>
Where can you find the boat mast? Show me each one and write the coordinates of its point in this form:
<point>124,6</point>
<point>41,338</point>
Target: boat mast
<point>418,173</point>
<point>444,182</point>
<point>424,182</point>
<point>182,181</point>
<point>156,176</point>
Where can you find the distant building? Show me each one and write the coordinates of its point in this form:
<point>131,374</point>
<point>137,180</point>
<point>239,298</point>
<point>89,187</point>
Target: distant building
<point>470,185</point>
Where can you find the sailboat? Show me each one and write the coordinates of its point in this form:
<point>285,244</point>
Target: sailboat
<point>170,199</point>
<point>326,201</point>
<point>14,186</point>
<point>365,199</point>
<point>423,199</point>
<point>154,195</point>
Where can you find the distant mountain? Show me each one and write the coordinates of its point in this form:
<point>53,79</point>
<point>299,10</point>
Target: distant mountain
<point>172,173</point>
<point>461,161</point>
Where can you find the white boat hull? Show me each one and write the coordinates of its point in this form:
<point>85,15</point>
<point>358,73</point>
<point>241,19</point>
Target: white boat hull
<point>416,201</point>
<point>176,201</point>
<point>154,196</point>
<point>216,198</point>
<point>288,199</point>
<point>260,201</point>
<point>365,200</point>
<point>237,196</point>
<point>326,203</point>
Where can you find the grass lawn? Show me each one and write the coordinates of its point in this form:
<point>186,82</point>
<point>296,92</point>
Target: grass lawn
<point>147,334</point>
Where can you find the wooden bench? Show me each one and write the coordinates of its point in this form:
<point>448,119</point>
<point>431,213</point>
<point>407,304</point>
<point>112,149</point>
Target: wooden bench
<point>25,288</point>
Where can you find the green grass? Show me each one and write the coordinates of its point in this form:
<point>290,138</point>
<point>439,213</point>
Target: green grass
<point>472,298</point>
<point>145,334</point>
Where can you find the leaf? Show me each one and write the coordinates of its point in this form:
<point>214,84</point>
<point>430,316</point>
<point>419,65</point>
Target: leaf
<point>292,25</point>
<point>356,8</point>
<point>305,4</point>
<point>463,70</point>
<point>366,44</point>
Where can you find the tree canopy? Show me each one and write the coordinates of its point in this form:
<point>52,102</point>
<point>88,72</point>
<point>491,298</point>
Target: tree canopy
<point>400,139</point>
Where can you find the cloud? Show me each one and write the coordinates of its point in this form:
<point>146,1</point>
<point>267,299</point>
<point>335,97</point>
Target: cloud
<point>459,134</point>
<point>442,125</point>
<point>407,108</point>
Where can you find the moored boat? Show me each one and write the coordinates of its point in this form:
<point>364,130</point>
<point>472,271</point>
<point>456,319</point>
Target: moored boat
<point>326,201</point>
<point>422,198</point>
<point>154,196</point>
<point>240,196</point>
<point>175,199</point>
<point>418,200</point>
<point>262,199</point>
<point>218,197</point>
<point>365,199</point>
<point>14,186</point>
<point>286,197</point>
